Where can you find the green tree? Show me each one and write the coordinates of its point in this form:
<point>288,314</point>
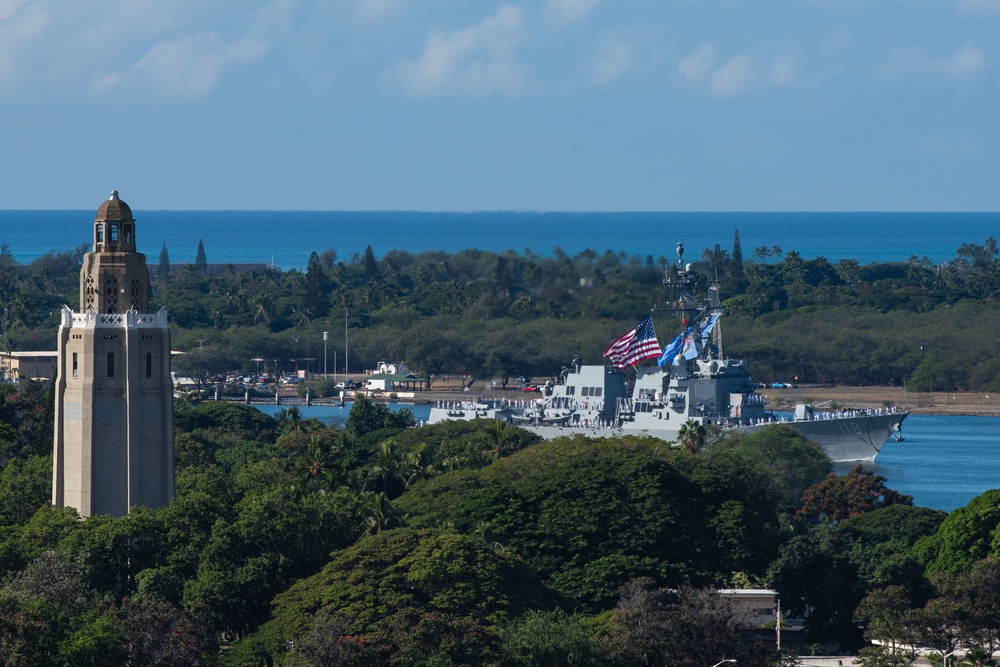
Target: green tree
<point>398,580</point>
<point>316,300</point>
<point>25,485</point>
<point>164,265</point>
<point>369,265</point>
<point>386,463</point>
<point>200,261</point>
<point>736,260</point>
<point>591,515</point>
<point>551,638</point>
<point>884,613</point>
<point>789,460</point>
<point>366,417</point>
<point>969,534</point>
<point>691,436</point>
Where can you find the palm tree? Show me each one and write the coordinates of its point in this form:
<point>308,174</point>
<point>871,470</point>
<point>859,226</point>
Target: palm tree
<point>290,419</point>
<point>377,512</point>
<point>500,435</point>
<point>691,436</point>
<point>317,457</point>
<point>386,463</point>
<point>418,464</point>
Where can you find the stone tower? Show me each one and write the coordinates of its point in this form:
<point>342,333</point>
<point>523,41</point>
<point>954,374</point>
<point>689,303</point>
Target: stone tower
<point>114,428</point>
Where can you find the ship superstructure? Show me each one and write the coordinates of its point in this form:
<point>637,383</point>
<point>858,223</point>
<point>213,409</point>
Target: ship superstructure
<point>693,382</point>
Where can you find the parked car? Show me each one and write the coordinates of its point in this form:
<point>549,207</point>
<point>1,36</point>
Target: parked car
<point>520,379</point>
<point>530,388</point>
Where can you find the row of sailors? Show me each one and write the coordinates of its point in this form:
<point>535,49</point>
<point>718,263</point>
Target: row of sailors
<point>759,421</point>
<point>504,404</point>
<point>589,423</point>
<point>521,404</point>
<point>861,412</point>
<point>816,416</point>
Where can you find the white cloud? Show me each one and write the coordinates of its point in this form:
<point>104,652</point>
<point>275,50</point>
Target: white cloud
<point>191,65</point>
<point>9,7</point>
<point>369,11</point>
<point>901,62</point>
<point>476,60</point>
<point>565,12</point>
<point>978,6</point>
<point>737,74</point>
<point>53,49</point>
<point>965,62</point>
<point>913,62</point>
<point>614,57</point>
<point>20,37</point>
<point>697,66</point>
<point>733,76</point>
<point>783,71</point>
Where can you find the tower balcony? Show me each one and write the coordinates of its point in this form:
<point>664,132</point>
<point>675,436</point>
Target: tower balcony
<point>128,319</point>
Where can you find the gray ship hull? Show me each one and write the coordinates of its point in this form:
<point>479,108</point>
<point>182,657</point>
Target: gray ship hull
<point>844,439</point>
<point>848,439</point>
<point>857,438</point>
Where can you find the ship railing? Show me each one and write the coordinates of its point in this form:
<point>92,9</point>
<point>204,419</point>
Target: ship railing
<point>825,415</point>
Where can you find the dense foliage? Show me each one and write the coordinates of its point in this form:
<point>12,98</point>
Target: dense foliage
<point>484,315</point>
<point>472,543</point>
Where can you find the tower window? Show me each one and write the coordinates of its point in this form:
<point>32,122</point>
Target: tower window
<point>127,233</point>
<point>99,231</point>
<point>111,364</point>
<point>149,364</point>
<point>76,365</point>
<point>113,233</point>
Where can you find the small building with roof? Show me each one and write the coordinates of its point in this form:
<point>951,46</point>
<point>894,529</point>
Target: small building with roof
<point>15,366</point>
<point>396,382</point>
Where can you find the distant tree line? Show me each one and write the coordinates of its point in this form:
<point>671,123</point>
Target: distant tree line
<point>484,315</point>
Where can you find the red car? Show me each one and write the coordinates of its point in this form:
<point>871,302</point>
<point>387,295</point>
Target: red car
<point>530,388</point>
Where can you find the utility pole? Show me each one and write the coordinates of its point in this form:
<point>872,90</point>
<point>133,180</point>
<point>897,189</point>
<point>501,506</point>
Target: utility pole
<point>326,337</point>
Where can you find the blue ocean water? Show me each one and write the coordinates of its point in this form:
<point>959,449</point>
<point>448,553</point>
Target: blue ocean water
<point>286,238</point>
<point>943,461</point>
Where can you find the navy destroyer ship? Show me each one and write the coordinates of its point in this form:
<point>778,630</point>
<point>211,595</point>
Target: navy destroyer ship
<point>692,384</point>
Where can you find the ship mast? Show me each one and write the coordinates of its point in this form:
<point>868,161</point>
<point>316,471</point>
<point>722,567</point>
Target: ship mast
<point>695,313</point>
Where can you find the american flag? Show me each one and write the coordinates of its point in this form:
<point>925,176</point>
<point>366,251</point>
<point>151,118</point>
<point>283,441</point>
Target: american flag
<point>639,343</point>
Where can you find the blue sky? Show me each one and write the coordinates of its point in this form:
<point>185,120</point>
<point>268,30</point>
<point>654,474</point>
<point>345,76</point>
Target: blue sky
<point>591,105</point>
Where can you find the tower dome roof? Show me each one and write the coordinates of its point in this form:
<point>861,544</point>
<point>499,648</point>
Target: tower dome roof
<point>114,209</point>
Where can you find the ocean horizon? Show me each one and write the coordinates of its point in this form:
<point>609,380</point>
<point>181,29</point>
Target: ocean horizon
<point>285,239</point>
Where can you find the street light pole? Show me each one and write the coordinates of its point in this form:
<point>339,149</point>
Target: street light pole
<point>326,337</point>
